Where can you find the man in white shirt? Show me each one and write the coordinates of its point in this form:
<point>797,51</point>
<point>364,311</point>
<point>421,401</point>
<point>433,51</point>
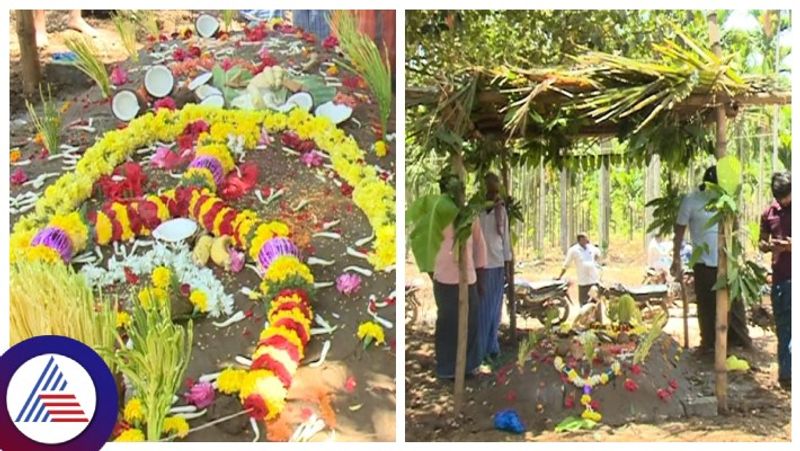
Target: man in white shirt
<point>585,257</point>
<point>494,225</point>
<point>693,214</point>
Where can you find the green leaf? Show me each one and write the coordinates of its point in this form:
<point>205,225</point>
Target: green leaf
<point>428,216</point>
<point>572,424</point>
<point>729,174</point>
<point>315,85</point>
<point>218,77</point>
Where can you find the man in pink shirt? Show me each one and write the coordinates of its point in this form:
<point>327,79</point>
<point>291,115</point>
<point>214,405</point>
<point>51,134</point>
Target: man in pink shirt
<point>445,292</point>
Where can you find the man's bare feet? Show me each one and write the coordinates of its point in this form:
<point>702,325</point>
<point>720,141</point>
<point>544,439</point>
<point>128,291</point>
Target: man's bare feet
<point>77,23</point>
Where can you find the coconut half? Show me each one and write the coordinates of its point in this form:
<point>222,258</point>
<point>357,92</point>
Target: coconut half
<point>243,102</point>
<point>204,91</point>
<point>336,113</point>
<point>207,26</point>
<point>158,81</point>
<point>214,100</point>
<point>126,105</point>
<point>302,100</point>
<point>175,230</point>
<point>200,80</point>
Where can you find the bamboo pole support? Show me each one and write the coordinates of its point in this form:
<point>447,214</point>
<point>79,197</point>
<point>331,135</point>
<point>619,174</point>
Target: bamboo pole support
<point>29,54</point>
<point>463,297</point>
<point>721,341</point>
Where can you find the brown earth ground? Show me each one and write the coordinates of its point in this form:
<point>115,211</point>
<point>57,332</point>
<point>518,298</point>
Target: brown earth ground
<point>365,412</point>
<point>759,409</point>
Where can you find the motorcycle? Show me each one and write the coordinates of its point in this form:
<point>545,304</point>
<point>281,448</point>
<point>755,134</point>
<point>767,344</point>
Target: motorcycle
<point>412,303</point>
<point>543,299</point>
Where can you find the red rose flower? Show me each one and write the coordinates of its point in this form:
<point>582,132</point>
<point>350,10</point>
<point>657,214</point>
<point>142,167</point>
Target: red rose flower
<point>673,384</point>
<point>631,385</point>
<point>636,369</point>
<point>19,177</point>
<point>166,102</point>
<point>346,189</point>
<point>569,402</point>
<point>330,42</point>
<point>258,406</point>
<point>663,395</point>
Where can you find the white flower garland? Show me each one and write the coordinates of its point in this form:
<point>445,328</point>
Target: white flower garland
<point>177,258</point>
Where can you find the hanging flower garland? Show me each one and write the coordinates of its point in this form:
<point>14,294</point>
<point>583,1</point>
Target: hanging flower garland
<point>588,384</point>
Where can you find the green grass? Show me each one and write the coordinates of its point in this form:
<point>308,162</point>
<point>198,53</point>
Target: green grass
<point>48,124</point>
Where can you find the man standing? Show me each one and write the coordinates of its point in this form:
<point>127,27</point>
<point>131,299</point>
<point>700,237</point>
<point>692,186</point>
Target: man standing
<point>776,237</point>
<point>693,214</point>
<point>494,224</point>
<point>585,256</point>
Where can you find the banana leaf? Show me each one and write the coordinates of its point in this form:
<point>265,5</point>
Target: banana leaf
<point>428,216</point>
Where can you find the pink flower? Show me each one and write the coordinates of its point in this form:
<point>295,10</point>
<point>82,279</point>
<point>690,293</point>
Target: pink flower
<point>227,64</point>
<point>312,159</point>
<point>19,177</point>
<point>330,42</point>
<point>165,158</point>
<point>265,139</point>
<point>348,283</point>
<point>350,384</point>
<point>119,76</point>
<point>166,102</point>
<point>201,395</point>
<point>237,260</point>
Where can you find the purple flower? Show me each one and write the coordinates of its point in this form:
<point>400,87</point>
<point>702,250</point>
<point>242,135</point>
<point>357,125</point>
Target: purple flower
<point>587,389</point>
<point>312,159</point>
<point>201,395</point>
<point>348,283</point>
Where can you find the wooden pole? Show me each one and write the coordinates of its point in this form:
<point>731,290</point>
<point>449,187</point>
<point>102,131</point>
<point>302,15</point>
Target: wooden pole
<point>457,163</point>
<point>564,216</point>
<point>721,342</point>
<point>512,305</point>
<point>29,54</point>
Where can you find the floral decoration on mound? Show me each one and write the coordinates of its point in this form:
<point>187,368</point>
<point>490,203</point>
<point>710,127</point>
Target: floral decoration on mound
<point>287,282</point>
<point>54,231</point>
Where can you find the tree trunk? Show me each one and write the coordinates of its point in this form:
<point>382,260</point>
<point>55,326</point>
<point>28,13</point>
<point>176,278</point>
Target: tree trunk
<point>29,54</point>
<point>776,112</point>
<point>540,230</point>
<point>652,191</point>
<point>463,299</point>
<point>605,204</point>
<point>721,341</point>
<point>564,217</point>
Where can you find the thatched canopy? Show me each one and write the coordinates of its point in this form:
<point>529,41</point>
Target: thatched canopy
<point>674,94</point>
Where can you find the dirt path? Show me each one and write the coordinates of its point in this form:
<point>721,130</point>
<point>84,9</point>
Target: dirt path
<point>760,410</point>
